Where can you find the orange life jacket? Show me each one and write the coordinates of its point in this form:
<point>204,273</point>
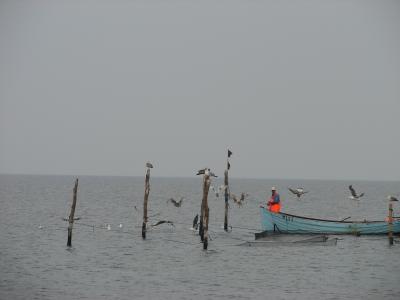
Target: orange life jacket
<point>275,207</point>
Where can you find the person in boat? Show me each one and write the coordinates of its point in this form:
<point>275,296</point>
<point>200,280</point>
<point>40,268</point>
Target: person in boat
<point>274,202</point>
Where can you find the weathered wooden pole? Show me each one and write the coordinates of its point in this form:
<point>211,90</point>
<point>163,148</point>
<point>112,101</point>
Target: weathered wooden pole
<point>226,200</point>
<point>226,186</point>
<point>206,211</point>
<point>390,224</point>
<point>146,198</point>
<point>71,215</point>
<point>203,203</point>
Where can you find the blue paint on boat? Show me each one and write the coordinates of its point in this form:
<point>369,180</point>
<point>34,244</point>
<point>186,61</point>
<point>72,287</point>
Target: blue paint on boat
<point>287,223</point>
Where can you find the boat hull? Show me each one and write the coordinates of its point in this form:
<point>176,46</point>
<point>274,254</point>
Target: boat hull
<point>287,223</point>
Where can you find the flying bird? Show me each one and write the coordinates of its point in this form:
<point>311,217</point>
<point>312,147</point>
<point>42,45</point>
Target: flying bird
<point>354,195</point>
<point>216,192</point>
<point>162,222</point>
<point>196,222</point>
<point>392,198</point>
<point>298,192</point>
<point>176,203</point>
<point>238,201</point>
<point>149,165</point>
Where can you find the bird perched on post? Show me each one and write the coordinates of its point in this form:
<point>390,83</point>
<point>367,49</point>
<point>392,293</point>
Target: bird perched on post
<point>298,192</point>
<point>176,203</point>
<point>354,195</point>
<point>206,171</point>
<point>149,165</point>
<point>392,198</point>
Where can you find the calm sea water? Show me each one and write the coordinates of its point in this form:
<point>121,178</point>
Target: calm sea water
<point>117,264</point>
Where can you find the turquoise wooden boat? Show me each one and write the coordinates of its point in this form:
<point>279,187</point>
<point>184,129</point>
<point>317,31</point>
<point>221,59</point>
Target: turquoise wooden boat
<point>287,223</point>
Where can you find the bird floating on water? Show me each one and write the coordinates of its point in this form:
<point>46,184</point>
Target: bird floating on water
<point>298,192</point>
<point>176,203</point>
<point>196,222</point>
<point>108,227</point>
<point>392,198</point>
<point>354,195</point>
<point>120,225</point>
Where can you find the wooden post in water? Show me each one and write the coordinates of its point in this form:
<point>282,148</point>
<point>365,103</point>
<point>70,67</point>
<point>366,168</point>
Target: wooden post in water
<point>146,198</point>
<point>206,210</point>
<point>202,209</point>
<point>71,215</point>
<point>226,185</point>
<point>226,200</point>
<point>390,224</point>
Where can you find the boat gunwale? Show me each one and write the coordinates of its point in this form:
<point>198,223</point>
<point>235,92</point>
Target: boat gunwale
<point>333,221</point>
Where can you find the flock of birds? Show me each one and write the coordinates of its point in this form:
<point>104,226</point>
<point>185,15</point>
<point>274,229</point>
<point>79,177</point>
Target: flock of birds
<point>353,194</point>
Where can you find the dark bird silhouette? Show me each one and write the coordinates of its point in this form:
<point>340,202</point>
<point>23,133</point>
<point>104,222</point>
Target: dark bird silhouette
<point>354,195</point>
<point>196,222</point>
<point>176,203</point>
<point>229,165</point>
<point>163,222</point>
<point>298,192</point>
<point>149,165</point>
<point>392,198</point>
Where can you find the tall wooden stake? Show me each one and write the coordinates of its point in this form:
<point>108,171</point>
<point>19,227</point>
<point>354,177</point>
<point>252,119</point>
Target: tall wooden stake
<point>202,209</point>
<point>71,215</point>
<point>226,200</point>
<point>146,197</point>
<point>390,225</point>
<point>226,185</point>
<point>206,210</point>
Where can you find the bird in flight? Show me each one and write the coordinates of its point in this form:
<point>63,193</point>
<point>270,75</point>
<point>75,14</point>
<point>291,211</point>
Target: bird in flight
<point>162,222</point>
<point>238,201</point>
<point>392,198</point>
<point>354,195</point>
<point>176,203</point>
<point>298,192</point>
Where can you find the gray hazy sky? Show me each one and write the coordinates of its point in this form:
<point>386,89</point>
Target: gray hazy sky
<point>297,89</point>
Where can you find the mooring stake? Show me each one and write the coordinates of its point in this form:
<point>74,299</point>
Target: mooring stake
<point>205,210</point>
<point>71,215</point>
<point>226,187</point>
<point>146,197</point>
<point>390,224</point>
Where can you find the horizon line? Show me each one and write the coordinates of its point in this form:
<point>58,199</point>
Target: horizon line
<point>194,176</point>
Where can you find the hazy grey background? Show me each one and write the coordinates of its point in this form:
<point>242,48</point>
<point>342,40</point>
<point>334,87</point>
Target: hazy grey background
<point>297,89</point>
